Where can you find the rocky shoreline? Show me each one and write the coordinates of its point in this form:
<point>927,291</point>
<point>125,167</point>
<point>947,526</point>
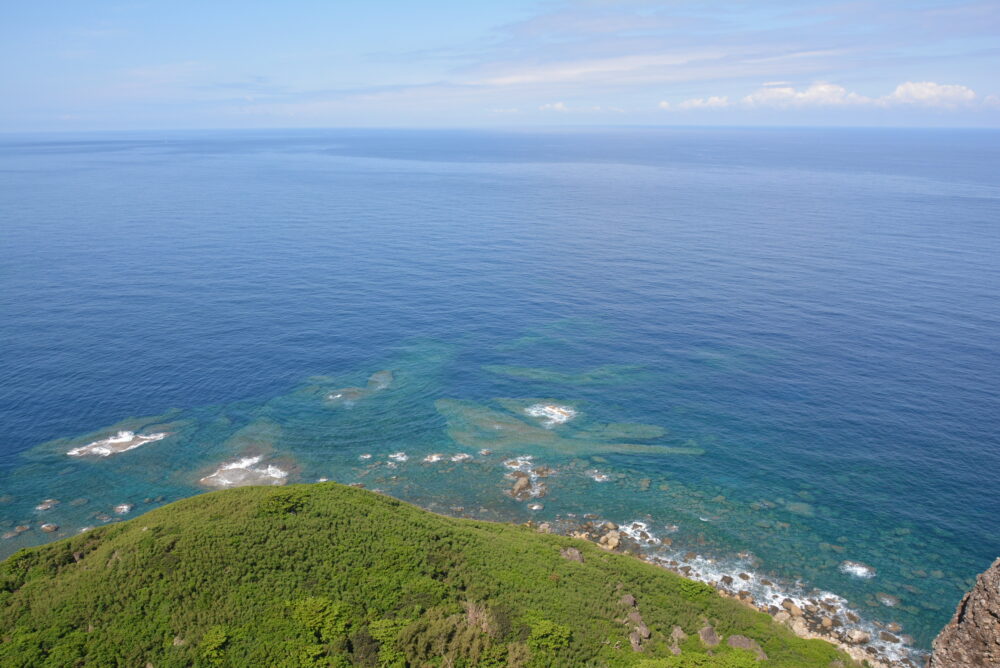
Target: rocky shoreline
<point>822,616</point>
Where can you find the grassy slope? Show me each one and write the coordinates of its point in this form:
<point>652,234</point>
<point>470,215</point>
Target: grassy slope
<point>330,575</point>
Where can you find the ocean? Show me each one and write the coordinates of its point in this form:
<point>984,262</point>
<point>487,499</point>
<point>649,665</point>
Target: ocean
<point>773,352</point>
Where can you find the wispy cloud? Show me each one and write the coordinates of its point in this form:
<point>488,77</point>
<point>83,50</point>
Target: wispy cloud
<point>910,93</point>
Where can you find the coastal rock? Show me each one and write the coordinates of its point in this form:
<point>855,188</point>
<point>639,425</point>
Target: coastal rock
<point>635,641</point>
<point>972,637</point>
<point>49,528</point>
<point>628,600</point>
<point>858,637</point>
<point>611,540</point>
<point>742,642</point>
<point>677,635</point>
<point>17,531</point>
<point>522,487</point>
<point>793,610</point>
<point>708,636</point>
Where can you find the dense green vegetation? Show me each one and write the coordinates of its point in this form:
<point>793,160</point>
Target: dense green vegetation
<point>327,575</point>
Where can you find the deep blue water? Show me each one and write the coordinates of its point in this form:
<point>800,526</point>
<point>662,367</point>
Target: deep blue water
<point>816,310</point>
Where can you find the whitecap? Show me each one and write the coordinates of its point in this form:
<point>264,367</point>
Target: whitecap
<point>551,414</point>
<point>398,457</point>
<point>365,457</point>
<point>123,508</point>
<point>639,532</point>
<point>597,476</point>
<point>244,472</point>
<point>522,463</point>
<point>857,569</point>
<point>120,442</point>
<point>460,457</point>
<point>436,457</point>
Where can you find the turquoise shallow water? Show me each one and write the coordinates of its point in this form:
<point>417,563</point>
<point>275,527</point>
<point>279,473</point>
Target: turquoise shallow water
<point>804,321</point>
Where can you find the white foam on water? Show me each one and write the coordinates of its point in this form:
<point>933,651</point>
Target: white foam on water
<point>535,506</point>
<point>365,456</point>
<point>522,463</point>
<point>120,442</point>
<point>244,472</point>
<point>857,569</point>
<point>769,591</point>
<point>47,504</point>
<point>398,457</point>
<point>639,532</point>
<point>123,508</point>
<point>436,457</point>
<point>551,414</point>
<point>486,452</point>
<point>597,476</point>
<point>460,457</point>
<point>526,464</point>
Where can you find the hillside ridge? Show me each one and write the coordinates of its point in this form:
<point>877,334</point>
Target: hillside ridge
<point>330,575</point>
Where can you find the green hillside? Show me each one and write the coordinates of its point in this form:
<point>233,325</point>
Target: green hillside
<point>327,575</point>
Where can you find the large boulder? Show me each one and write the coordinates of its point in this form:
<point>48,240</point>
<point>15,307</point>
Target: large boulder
<point>972,637</point>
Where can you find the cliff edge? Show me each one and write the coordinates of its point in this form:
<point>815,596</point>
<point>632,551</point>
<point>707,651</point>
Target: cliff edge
<point>972,637</point>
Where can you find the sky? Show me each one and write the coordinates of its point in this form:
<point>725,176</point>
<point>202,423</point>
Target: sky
<point>130,65</point>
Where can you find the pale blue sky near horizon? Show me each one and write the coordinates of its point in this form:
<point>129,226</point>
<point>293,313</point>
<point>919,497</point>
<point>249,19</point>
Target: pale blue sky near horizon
<point>132,65</point>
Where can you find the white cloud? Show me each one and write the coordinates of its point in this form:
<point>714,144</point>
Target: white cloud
<point>816,95</point>
<point>714,102</point>
<point>777,95</point>
<point>930,94</point>
<point>554,106</point>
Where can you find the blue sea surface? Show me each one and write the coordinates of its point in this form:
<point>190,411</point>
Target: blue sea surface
<point>806,321</point>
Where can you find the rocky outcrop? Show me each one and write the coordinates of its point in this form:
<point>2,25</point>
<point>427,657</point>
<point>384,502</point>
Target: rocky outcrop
<point>972,637</point>
<point>572,554</point>
<point>742,642</point>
